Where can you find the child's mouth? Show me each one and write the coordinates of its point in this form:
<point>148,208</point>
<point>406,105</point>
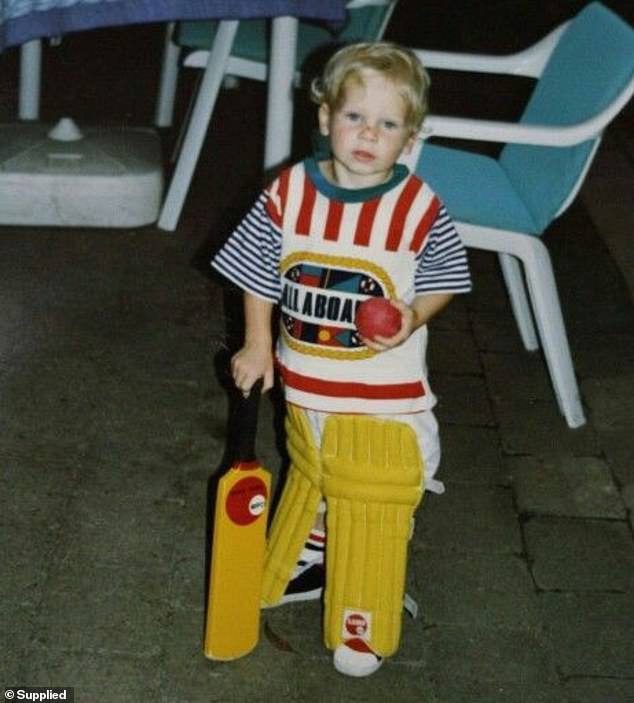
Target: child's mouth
<point>361,155</point>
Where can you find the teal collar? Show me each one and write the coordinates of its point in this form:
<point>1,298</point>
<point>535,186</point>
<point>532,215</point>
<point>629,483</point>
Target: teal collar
<point>352,195</point>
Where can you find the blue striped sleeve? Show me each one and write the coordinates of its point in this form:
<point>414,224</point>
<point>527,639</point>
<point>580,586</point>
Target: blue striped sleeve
<point>250,258</point>
<point>442,263</point>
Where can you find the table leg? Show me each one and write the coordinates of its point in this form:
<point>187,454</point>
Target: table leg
<point>30,77</point>
<point>279,111</point>
<point>169,79</point>
<point>199,122</point>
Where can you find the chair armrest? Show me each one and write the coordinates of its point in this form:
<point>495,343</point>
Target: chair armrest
<point>488,131</point>
<point>506,132</point>
<point>524,133</point>
<point>529,62</point>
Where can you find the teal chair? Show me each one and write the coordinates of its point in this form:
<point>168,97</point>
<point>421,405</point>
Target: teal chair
<point>366,20</point>
<point>241,49</point>
<point>584,73</point>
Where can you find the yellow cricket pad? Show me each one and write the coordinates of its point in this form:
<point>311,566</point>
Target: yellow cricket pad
<point>372,483</point>
<point>295,514</point>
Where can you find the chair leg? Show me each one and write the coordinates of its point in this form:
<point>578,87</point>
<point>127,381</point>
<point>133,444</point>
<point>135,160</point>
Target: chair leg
<point>30,78</point>
<point>201,115</point>
<point>169,78</point>
<point>550,323</point>
<point>512,273</point>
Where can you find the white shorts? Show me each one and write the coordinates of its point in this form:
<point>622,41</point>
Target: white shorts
<point>424,425</point>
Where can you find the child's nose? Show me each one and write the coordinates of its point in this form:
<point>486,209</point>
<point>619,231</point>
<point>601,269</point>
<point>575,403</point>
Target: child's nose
<point>369,132</point>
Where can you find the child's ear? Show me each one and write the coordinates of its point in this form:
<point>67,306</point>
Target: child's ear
<point>323,116</point>
<point>409,144</point>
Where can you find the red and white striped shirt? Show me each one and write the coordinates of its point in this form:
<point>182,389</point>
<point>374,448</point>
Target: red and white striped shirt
<point>318,251</point>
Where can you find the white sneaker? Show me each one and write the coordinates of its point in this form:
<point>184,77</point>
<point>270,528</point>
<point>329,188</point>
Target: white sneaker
<point>354,657</point>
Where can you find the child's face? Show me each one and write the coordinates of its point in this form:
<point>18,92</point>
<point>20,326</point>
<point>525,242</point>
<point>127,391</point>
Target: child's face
<point>367,132</point>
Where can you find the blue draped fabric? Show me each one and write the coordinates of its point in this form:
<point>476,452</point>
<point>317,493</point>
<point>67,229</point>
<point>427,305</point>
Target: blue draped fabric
<point>23,20</point>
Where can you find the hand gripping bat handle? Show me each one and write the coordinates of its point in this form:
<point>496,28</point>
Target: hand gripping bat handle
<point>245,422</point>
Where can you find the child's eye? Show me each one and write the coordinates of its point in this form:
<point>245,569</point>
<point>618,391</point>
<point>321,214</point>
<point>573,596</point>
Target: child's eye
<point>390,124</point>
<point>353,116</point>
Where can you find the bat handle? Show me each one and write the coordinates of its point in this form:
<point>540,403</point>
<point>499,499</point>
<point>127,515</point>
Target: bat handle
<point>246,423</point>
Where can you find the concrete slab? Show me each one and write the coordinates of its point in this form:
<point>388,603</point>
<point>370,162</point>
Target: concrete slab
<point>455,317</point>
<point>515,658</point>
<point>103,609</point>
<point>19,626</point>
<point>410,684</point>
<point>590,634</point>
<point>460,590</point>
<point>618,446</point>
<point>126,679</point>
<point>522,376</point>
<point>185,674</point>
<point>145,532</point>
<point>599,690</point>
<point>453,352</point>
<point>595,354</point>
<point>497,332</point>
<point>26,564</point>
<point>537,428</point>
<point>471,455</point>
<point>608,398</point>
<point>566,486</point>
<point>580,555</point>
<point>484,692</point>
<point>606,194</point>
<point>469,518</point>
<point>462,400</point>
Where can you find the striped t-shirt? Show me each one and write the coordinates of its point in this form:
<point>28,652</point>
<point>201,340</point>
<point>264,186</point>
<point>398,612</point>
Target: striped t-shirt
<point>318,250</point>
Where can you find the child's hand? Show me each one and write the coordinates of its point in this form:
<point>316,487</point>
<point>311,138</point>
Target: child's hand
<point>250,363</point>
<point>421,310</point>
<point>408,318</point>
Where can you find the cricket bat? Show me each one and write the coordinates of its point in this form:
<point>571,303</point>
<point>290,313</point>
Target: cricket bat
<point>232,624</point>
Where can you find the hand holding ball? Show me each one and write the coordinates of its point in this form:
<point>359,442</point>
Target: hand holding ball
<point>377,316</point>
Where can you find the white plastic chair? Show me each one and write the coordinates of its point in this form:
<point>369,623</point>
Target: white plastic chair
<point>585,76</point>
<point>241,49</point>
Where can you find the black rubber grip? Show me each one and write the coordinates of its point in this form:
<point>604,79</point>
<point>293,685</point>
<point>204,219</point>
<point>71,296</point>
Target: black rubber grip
<point>245,423</point>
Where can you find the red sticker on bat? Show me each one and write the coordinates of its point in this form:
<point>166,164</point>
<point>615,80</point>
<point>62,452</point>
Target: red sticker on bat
<point>246,501</point>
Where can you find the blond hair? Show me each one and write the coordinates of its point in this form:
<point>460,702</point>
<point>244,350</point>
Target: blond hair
<point>395,63</point>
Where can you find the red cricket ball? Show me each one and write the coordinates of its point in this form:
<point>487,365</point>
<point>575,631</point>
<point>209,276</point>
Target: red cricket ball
<point>377,316</point>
